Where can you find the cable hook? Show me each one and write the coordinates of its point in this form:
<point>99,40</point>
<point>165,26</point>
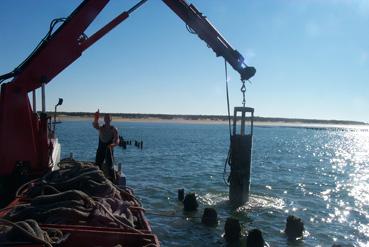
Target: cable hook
<point>243,90</point>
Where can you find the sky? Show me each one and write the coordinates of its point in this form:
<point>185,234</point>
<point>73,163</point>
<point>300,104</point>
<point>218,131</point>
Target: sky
<point>311,56</point>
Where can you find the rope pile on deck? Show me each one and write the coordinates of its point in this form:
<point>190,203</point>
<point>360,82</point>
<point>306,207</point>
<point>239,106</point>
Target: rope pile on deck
<point>76,194</point>
<point>28,231</point>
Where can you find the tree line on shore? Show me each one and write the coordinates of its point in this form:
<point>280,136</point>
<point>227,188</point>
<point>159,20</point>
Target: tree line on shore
<point>209,117</point>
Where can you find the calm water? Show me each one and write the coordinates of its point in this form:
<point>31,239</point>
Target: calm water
<point>321,176</point>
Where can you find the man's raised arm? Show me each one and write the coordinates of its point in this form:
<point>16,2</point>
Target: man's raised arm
<point>95,123</point>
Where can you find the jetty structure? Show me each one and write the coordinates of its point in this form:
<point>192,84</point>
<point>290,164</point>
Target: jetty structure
<point>47,202</point>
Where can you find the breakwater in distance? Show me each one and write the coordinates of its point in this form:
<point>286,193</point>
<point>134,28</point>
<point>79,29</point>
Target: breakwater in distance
<point>319,175</point>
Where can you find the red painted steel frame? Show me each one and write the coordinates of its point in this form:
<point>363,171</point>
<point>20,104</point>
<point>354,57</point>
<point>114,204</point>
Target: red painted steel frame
<point>23,136</point>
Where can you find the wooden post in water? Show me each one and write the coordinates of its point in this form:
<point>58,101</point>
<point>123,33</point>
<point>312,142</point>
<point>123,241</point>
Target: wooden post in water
<point>240,158</point>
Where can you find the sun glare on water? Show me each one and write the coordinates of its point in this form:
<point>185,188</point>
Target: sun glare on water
<point>352,161</point>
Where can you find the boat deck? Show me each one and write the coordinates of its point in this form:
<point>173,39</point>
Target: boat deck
<point>91,232</point>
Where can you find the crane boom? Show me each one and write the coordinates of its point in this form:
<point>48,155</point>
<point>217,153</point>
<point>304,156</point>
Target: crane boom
<point>60,49</point>
<point>207,32</point>
<point>24,137</point>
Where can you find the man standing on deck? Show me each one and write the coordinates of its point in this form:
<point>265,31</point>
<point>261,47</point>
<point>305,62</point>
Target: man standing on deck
<point>108,138</point>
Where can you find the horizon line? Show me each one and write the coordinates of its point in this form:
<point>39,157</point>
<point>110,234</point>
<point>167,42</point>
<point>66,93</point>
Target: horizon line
<point>212,116</point>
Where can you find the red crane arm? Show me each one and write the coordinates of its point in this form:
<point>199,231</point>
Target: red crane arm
<point>59,50</point>
<point>207,32</point>
<point>24,140</point>
<point>66,45</point>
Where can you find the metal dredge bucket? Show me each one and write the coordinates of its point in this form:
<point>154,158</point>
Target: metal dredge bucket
<point>240,159</point>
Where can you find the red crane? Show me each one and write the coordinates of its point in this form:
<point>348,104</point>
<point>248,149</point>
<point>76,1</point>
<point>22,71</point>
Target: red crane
<point>25,140</point>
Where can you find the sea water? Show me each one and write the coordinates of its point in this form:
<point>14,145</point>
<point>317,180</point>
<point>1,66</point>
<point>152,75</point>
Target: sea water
<point>319,175</point>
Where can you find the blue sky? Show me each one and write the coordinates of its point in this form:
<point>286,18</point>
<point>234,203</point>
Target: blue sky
<point>312,58</point>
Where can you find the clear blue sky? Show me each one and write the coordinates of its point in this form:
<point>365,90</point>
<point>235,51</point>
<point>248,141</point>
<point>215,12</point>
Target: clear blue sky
<point>312,58</point>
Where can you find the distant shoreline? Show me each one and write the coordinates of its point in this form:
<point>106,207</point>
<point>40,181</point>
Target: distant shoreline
<point>212,119</point>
